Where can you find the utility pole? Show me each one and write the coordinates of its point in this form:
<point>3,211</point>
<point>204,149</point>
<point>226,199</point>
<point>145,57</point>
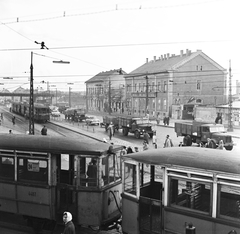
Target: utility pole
<point>146,109</point>
<point>69,97</point>
<point>230,125</point>
<point>31,102</point>
<point>109,97</point>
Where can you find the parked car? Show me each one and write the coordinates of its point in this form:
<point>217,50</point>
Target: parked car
<point>55,113</point>
<point>90,120</point>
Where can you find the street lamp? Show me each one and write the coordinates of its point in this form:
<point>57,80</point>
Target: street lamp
<point>31,102</point>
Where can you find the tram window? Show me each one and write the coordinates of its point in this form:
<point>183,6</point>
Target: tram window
<point>145,174</point>
<point>229,204</point>
<point>64,162</point>
<point>130,178</point>
<point>189,194</point>
<point>32,170</point>
<point>7,168</point>
<point>111,168</point>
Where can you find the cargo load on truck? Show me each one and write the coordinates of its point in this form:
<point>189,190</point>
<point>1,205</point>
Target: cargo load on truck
<point>199,132</point>
<point>107,120</point>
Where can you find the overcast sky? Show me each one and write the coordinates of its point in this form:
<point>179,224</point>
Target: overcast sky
<point>101,35</point>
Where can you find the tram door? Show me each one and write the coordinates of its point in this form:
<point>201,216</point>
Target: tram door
<point>150,206</point>
<point>66,194</point>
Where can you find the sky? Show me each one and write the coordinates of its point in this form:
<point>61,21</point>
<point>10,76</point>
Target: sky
<point>102,35</point>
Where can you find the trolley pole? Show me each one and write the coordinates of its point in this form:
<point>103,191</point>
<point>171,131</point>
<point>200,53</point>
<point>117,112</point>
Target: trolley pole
<point>31,104</point>
<point>230,125</point>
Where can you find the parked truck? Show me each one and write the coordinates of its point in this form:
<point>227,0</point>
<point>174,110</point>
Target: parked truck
<point>134,125</point>
<point>201,131</point>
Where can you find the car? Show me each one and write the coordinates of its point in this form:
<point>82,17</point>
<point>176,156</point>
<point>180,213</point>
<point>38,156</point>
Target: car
<point>90,120</point>
<point>55,113</point>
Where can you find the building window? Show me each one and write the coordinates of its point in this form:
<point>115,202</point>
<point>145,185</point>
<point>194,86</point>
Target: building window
<point>159,86</point>
<point>165,104</point>
<point>153,86</point>
<point>159,104</point>
<point>153,103</point>
<point>165,86</point>
<point>198,84</point>
<point>144,87</point>
<point>140,87</point>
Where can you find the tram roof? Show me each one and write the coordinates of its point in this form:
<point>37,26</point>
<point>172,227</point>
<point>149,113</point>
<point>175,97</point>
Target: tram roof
<point>59,144</point>
<point>190,157</point>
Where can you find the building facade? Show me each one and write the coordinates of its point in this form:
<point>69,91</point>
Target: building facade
<point>105,92</point>
<point>162,86</point>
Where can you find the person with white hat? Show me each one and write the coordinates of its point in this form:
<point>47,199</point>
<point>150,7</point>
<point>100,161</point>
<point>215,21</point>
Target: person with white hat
<point>69,226</point>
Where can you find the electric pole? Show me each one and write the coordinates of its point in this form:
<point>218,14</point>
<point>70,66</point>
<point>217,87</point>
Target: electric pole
<point>146,109</point>
<point>230,125</point>
<point>31,102</point>
<point>109,97</point>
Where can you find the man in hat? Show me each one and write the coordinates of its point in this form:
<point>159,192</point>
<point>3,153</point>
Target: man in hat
<point>69,226</point>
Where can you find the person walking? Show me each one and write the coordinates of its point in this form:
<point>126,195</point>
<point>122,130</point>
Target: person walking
<point>154,139</point>
<point>221,145</point>
<point>111,131</point>
<point>168,142</point>
<point>44,130</point>
<point>13,120</point>
<point>69,225</point>
<point>145,145</point>
<point>146,136</point>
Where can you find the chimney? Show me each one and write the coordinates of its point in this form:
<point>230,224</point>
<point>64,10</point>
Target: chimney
<point>181,53</point>
<point>186,52</point>
<point>162,57</point>
<point>167,55</point>
<point>154,58</point>
<point>146,60</point>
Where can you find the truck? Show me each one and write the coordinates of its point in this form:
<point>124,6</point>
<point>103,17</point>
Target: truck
<point>75,114</point>
<point>110,119</point>
<point>199,132</point>
<point>135,125</point>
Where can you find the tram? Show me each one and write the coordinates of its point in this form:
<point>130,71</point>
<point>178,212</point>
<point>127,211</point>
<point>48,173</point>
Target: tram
<point>41,111</point>
<point>181,190</point>
<point>43,176</point>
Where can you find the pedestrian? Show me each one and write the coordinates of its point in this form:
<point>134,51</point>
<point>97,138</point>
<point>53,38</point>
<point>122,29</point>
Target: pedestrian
<point>168,142</point>
<point>221,145</point>
<point>210,144</point>
<point>154,139</point>
<point>13,120</point>
<point>44,130</point>
<point>136,149</point>
<point>187,141</point>
<point>123,151</point>
<point>158,119</point>
<point>146,136</point>
<point>69,225</point>
<point>145,145</point>
<point>10,131</point>
<point>129,150</point>
<point>111,131</point>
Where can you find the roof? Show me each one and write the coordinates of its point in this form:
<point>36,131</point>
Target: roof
<point>50,144</point>
<point>190,157</point>
<point>169,64</point>
<point>100,77</point>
